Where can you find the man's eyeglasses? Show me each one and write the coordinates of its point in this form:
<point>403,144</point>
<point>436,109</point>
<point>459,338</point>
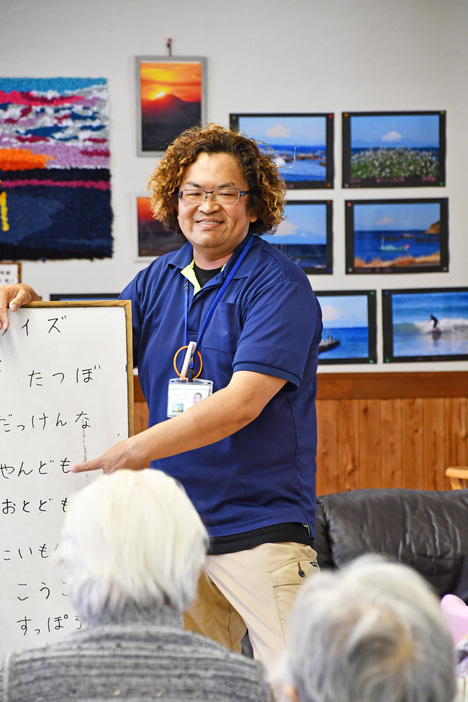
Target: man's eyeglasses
<point>223,196</point>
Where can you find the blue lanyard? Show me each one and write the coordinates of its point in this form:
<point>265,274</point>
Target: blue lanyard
<point>218,297</point>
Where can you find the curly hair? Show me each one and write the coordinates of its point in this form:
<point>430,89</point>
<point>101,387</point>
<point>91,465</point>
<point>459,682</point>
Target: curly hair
<point>267,188</point>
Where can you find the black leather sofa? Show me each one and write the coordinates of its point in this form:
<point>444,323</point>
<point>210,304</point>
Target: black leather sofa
<point>425,529</point>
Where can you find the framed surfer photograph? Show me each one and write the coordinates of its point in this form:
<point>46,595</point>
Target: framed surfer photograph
<point>396,236</point>
<point>305,235</point>
<point>425,324</point>
<point>349,326</point>
<point>301,145</point>
<point>171,97</point>
<point>151,237</point>
<point>393,149</point>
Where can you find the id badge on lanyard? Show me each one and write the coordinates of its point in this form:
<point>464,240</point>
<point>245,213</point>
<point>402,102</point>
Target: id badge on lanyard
<point>183,392</point>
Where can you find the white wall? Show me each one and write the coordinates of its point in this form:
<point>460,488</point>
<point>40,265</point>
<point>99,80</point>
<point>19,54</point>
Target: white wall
<point>263,56</point>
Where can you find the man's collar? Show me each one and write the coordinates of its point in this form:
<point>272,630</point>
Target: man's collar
<point>184,256</point>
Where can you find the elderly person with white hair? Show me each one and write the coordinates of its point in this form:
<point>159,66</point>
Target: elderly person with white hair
<point>371,632</point>
<point>133,546</point>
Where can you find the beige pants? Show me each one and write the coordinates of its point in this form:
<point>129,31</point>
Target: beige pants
<point>252,591</point>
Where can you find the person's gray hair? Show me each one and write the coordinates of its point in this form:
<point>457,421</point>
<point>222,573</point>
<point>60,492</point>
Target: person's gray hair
<point>371,631</point>
<point>132,537</point>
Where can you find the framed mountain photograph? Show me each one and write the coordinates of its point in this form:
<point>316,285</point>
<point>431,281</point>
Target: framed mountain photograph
<point>393,149</point>
<point>151,238</point>
<point>305,235</point>
<point>301,145</point>
<point>170,99</point>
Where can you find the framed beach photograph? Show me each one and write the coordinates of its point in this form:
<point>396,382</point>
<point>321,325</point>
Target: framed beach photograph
<point>425,324</point>
<point>349,326</point>
<point>301,145</point>
<point>393,149</point>
<point>305,235</point>
<point>151,238</point>
<point>171,97</point>
<point>396,236</point>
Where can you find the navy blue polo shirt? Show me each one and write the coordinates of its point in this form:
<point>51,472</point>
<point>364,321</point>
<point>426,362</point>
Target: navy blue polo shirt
<point>268,321</point>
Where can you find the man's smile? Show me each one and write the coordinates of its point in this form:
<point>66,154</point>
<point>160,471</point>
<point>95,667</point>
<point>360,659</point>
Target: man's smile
<point>207,222</point>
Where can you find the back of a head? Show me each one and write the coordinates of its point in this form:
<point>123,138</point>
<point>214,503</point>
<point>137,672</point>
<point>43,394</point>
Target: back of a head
<point>132,537</point>
<point>372,632</point>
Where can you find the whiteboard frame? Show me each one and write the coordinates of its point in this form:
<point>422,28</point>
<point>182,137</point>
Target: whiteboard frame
<point>127,305</point>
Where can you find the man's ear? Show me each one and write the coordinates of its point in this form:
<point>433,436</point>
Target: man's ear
<point>290,693</point>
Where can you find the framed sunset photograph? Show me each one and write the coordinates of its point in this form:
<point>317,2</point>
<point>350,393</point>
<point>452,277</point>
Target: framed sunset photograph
<point>151,237</point>
<point>393,149</point>
<point>349,326</point>
<point>301,145</point>
<point>305,235</point>
<point>396,236</point>
<point>170,99</point>
<point>426,324</point>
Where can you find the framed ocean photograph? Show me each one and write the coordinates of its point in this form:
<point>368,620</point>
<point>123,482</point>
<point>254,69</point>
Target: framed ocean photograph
<point>393,149</point>
<point>349,326</point>
<point>425,324</point>
<point>171,97</point>
<point>396,236</point>
<point>151,238</point>
<point>305,235</point>
<point>301,145</point>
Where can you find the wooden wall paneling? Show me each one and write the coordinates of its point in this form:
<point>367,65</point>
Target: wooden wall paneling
<point>370,443</point>
<point>417,384</point>
<point>456,430</point>
<point>328,471</point>
<point>414,446</point>
<point>435,444</point>
<point>392,444</point>
<point>423,428</point>
<point>348,445</point>
<point>141,416</point>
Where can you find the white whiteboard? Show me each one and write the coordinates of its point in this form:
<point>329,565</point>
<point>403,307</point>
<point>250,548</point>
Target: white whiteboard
<point>66,395</point>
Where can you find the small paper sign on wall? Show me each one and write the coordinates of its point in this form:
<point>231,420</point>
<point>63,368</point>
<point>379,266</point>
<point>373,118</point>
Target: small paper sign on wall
<point>10,272</point>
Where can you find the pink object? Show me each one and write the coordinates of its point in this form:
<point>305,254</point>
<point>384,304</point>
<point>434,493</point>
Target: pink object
<point>455,612</point>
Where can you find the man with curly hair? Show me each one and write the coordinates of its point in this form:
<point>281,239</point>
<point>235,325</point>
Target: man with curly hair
<point>246,452</point>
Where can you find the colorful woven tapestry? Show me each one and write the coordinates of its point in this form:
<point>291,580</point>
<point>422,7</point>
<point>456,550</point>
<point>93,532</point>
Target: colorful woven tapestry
<point>54,169</point>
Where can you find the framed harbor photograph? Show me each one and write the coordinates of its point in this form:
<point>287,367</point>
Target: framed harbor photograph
<point>171,97</point>
<point>301,145</point>
<point>349,326</point>
<point>305,235</point>
<point>396,236</point>
<point>151,238</point>
<point>425,324</point>
<point>393,149</point>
